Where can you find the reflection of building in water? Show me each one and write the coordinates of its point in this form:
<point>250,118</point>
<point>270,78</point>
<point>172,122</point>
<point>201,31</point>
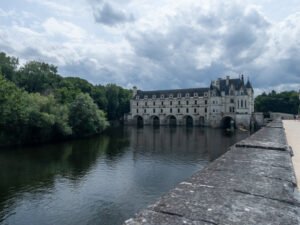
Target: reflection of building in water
<point>176,143</point>
<point>225,101</point>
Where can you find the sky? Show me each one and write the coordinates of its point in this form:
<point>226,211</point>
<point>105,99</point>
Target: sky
<point>158,44</point>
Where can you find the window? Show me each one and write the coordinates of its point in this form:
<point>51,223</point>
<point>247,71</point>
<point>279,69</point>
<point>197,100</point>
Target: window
<point>154,103</point>
<point>187,102</point>
<point>178,110</point>
<point>178,102</point>
<point>153,96</point>
<point>162,96</point>
<point>170,110</point>
<point>161,110</point>
<point>238,103</point>
<point>162,103</point>
<point>213,102</point>
<point>195,102</point>
<point>205,110</point>
<point>242,103</point>
<point>205,102</point>
<point>187,95</point>
<point>146,103</point>
<point>153,110</point>
<point>146,96</point>
<point>170,102</point>
<point>137,110</point>
<point>195,110</point>
<point>179,95</point>
<point>213,110</point>
<point>232,100</point>
<point>170,96</point>
<point>145,110</point>
<point>245,104</point>
<point>137,103</point>
<point>195,94</point>
<point>187,110</point>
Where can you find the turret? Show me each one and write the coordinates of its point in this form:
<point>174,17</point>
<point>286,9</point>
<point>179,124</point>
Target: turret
<point>134,91</point>
<point>249,87</point>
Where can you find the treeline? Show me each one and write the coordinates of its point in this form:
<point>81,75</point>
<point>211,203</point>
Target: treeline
<point>38,105</point>
<point>284,102</point>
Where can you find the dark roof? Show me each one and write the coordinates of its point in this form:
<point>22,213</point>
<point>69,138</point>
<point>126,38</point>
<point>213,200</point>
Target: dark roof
<point>248,85</point>
<point>238,83</point>
<point>174,92</point>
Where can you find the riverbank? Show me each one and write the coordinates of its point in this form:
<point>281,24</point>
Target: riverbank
<point>253,183</point>
<point>292,128</point>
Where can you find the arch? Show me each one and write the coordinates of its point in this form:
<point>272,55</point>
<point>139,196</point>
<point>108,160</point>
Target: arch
<point>171,120</point>
<point>139,120</point>
<point>201,121</point>
<point>188,121</point>
<point>155,120</point>
<point>227,122</point>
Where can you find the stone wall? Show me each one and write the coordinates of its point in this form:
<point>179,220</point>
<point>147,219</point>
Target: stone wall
<point>253,183</point>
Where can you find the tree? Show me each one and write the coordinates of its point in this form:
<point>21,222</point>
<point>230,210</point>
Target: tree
<point>285,102</point>
<point>38,77</point>
<point>85,117</point>
<point>8,66</point>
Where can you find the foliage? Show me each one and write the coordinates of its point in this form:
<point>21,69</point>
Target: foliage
<point>85,117</point>
<point>284,102</point>
<point>38,77</point>
<point>8,66</point>
<point>38,105</point>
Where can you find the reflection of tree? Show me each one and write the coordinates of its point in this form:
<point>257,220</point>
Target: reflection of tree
<point>36,168</point>
<point>117,147</point>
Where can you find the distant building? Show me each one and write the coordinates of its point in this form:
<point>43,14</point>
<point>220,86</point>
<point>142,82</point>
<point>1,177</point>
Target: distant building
<point>226,102</point>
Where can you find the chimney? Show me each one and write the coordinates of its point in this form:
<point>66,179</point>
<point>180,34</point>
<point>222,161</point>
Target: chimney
<point>227,80</point>
<point>134,91</point>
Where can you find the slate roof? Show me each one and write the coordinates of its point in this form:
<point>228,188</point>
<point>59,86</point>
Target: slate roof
<point>174,92</point>
<point>237,83</point>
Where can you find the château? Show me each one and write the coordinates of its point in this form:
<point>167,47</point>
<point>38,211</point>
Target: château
<point>227,101</point>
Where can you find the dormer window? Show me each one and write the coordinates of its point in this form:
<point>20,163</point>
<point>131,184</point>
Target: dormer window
<point>205,94</point>
<point>195,94</point>
<point>154,96</point>
<point>170,96</point>
<point>187,95</point>
<point>179,95</point>
<point>162,96</point>
<point>146,96</point>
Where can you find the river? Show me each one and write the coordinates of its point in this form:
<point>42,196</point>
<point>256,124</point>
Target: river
<point>102,180</point>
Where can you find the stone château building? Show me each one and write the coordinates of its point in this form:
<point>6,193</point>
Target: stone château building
<point>227,101</point>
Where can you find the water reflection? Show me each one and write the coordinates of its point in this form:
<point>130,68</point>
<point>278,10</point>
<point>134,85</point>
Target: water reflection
<point>105,179</point>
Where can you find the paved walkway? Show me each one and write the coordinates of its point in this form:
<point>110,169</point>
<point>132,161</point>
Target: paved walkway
<point>292,129</point>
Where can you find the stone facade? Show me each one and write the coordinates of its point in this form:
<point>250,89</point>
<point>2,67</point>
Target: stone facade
<point>224,102</point>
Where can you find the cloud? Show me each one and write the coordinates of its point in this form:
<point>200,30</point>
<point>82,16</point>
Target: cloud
<point>166,44</point>
<point>111,16</point>
<point>63,28</point>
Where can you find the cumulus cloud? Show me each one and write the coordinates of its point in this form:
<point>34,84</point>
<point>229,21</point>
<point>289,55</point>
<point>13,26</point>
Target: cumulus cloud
<point>166,44</point>
<point>111,16</point>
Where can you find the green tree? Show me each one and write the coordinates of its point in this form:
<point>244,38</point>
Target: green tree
<point>38,77</point>
<point>85,117</point>
<point>285,102</point>
<point>8,66</point>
